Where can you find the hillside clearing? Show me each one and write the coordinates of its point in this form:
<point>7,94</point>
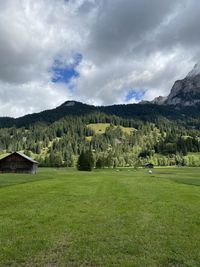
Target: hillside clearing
<point>100,128</point>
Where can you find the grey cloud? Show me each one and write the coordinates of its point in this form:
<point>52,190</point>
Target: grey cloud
<point>124,25</point>
<point>183,29</point>
<point>129,36</point>
<point>32,35</point>
<point>129,44</point>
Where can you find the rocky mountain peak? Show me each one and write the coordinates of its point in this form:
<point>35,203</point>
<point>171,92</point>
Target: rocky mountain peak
<point>185,92</point>
<point>194,72</point>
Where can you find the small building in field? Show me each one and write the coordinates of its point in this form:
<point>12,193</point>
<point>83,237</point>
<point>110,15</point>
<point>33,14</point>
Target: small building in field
<point>17,162</point>
<point>148,165</point>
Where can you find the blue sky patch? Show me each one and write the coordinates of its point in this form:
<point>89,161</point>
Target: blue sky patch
<point>63,73</point>
<point>134,94</point>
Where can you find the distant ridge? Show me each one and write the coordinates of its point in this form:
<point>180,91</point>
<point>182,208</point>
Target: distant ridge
<point>146,112</point>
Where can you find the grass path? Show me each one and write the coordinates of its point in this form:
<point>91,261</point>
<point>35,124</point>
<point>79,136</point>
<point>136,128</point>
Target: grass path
<point>103,218</point>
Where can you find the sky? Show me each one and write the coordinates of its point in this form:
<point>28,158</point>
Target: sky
<point>98,52</point>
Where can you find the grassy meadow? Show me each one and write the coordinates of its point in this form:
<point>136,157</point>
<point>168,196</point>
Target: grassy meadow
<point>100,128</point>
<point>124,217</point>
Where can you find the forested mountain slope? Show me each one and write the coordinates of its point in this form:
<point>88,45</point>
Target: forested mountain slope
<point>144,112</point>
<point>165,132</point>
<point>114,141</point>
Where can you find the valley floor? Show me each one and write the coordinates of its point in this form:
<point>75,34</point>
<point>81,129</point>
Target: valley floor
<point>123,217</point>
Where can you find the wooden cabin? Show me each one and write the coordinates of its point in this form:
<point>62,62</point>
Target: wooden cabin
<point>17,162</point>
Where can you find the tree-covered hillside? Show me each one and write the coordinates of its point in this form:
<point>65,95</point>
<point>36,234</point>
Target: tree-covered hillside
<point>114,140</point>
<point>189,116</point>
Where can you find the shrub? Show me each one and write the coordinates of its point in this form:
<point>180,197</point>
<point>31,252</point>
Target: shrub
<point>85,161</point>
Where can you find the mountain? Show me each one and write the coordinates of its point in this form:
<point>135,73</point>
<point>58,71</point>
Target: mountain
<point>164,132</point>
<point>149,112</point>
<point>182,102</point>
<point>68,108</point>
<point>146,112</point>
<point>160,100</point>
<point>185,92</point>
<point>118,135</point>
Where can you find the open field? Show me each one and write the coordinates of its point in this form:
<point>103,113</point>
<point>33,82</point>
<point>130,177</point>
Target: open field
<point>62,217</point>
<point>100,128</point>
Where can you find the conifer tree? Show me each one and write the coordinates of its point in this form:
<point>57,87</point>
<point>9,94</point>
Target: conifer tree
<point>85,161</point>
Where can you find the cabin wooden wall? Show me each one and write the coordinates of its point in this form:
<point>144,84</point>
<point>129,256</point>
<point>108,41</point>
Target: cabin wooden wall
<point>16,163</point>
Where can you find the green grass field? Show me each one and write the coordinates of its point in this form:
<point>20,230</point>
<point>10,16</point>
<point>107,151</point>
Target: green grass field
<point>62,217</point>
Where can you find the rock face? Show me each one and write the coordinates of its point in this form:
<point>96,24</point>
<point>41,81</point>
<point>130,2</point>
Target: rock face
<point>194,72</point>
<point>70,103</point>
<point>160,100</point>
<point>184,92</point>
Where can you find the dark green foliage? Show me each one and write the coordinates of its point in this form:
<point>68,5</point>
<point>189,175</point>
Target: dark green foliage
<point>156,138</point>
<point>145,112</point>
<point>100,163</point>
<point>55,159</point>
<point>85,161</point>
<point>145,154</point>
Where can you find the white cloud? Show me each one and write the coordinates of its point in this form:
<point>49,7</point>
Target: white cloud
<point>130,44</point>
<point>17,100</point>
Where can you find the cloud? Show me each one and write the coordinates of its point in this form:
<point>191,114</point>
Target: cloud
<point>125,46</point>
<point>17,100</point>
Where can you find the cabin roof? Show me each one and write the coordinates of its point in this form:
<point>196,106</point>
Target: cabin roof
<point>22,155</point>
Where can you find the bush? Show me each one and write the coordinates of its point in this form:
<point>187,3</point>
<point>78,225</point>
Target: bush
<point>85,161</point>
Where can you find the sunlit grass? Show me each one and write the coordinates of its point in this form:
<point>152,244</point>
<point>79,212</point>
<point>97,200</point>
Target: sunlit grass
<point>123,217</point>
